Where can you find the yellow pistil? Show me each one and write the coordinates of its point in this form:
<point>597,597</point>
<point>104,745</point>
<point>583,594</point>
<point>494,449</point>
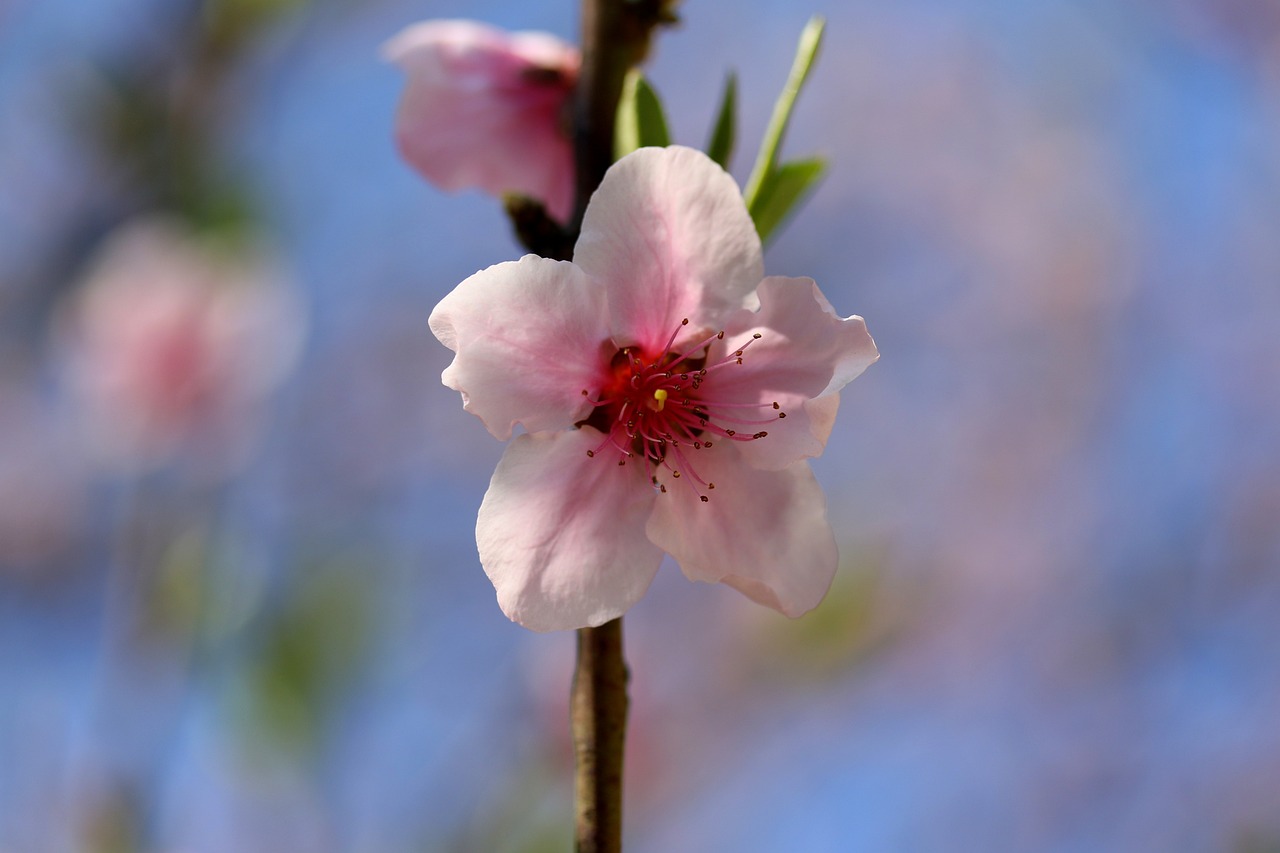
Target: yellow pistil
<point>661,396</point>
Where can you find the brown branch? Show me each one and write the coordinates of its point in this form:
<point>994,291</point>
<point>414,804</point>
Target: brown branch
<point>615,37</point>
<point>599,713</point>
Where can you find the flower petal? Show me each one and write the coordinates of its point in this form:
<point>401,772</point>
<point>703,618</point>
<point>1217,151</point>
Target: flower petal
<point>669,232</point>
<point>528,337</point>
<point>482,108</point>
<point>765,533</point>
<point>804,351</point>
<point>821,413</point>
<point>562,535</point>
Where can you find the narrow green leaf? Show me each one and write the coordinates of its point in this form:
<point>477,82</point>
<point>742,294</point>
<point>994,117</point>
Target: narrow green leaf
<point>782,192</point>
<point>641,119</point>
<point>767,159</point>
<point>653,117</point>
<point>724,134</point>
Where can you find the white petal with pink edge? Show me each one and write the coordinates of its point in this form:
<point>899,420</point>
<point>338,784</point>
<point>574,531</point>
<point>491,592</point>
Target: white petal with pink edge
<point>804,350</point>
<point>763,532</point>
<point>528,337</point>
<point>669,234</point>
<point>562,535</point>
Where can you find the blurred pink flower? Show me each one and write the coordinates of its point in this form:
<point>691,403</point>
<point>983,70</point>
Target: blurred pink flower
<point>670,396</point>
<point>485,108</point>
<point>172,343</point>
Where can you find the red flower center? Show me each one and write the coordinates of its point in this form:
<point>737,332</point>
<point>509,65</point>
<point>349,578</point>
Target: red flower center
<point>663,408</point>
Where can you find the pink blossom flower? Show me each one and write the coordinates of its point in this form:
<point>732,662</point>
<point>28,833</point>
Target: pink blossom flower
<point>173,343</point>
<point>485,108</point>
<point>670,394</point>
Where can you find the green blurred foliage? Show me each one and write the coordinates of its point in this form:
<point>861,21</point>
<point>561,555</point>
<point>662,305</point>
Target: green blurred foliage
<point>304,650</point>
<point>531,814</point>
<point>851,623</point>
<point>176,594</point>
<point>230,23</point>
<point>112,824</point>
<point>166,152</point>
<point>160,120</point>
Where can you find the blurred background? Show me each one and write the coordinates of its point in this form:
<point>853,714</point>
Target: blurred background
<point>240,605</point>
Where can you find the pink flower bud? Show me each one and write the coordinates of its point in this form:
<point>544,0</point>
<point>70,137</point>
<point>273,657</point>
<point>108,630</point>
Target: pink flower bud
<point>485,108</point>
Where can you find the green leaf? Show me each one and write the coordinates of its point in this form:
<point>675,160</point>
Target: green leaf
<point>767,159</point>
<point>782,192</point>
<point>641,120</point>
<point>724,134</point>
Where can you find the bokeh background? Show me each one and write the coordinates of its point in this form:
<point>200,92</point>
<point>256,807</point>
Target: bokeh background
<point>240,606</point>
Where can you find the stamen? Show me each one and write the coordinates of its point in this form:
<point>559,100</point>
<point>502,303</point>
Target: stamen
<point>743,421</point>
<point>684,462</point>
<point>659,406</point>
<point>672,339</point>
<point>698,347</point>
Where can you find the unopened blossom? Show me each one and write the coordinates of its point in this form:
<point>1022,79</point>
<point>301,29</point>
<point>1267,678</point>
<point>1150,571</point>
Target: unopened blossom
<point>486,108</point>
<point>670,395</point>
<point>171,344</point>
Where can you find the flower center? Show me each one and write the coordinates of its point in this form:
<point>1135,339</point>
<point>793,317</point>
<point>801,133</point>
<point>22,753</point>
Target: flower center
<point>662,409</point>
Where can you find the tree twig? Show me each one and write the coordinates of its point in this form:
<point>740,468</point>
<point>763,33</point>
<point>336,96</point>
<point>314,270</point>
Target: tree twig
<point>615,38</point>
<point>599,716</point>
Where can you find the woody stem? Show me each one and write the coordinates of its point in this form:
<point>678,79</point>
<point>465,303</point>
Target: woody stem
<point>615,37</point>
<point>598,711</point>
